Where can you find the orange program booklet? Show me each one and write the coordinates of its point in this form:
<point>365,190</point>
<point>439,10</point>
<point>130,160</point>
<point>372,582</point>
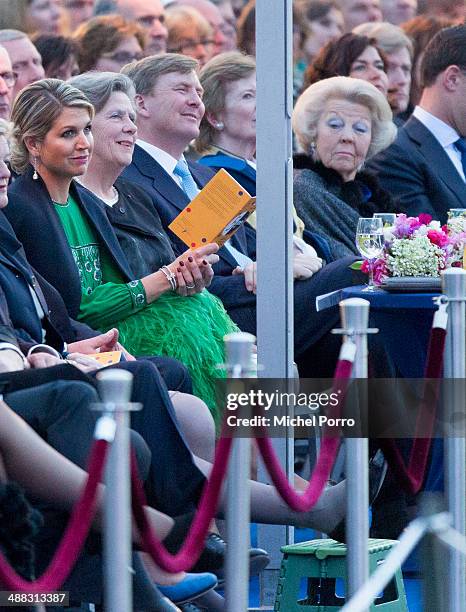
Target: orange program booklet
<point>215,214</point>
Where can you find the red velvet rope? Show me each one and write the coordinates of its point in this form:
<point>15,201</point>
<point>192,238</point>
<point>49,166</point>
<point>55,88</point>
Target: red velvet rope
<point>412,477</point>
<point>303,502</point>
<point>73,539</point>
<point>187,556</point>
<point>194,543</point>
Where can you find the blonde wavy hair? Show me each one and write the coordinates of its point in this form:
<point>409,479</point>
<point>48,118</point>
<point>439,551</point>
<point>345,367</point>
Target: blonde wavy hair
<point>35,110</point>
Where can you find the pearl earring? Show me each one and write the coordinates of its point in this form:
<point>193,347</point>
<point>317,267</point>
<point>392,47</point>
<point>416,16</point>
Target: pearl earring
<point>35,176</point>
<point>219,125</point>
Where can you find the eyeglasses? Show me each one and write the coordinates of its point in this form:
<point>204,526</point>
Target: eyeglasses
<point>123,57</point>
<point>187,46</point>
<point>9,78</point>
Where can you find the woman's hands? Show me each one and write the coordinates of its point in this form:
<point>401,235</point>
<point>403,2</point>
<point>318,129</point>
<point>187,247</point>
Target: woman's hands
<point>193,269</point>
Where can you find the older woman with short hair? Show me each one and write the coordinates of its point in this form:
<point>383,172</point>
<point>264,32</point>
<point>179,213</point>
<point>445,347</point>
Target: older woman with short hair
<point>108,42</point>
<point>339,123</point>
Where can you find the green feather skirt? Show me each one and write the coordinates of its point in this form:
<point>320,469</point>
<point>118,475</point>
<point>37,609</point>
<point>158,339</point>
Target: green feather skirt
<point>190,329</point>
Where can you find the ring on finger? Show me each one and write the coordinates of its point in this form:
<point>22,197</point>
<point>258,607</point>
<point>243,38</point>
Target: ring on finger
<point>190,286</point>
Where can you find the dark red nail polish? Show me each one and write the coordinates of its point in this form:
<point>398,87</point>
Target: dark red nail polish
<point>204,262</point>
<point>181,263</point>
<point>178,270</point>
<point>190,259</point>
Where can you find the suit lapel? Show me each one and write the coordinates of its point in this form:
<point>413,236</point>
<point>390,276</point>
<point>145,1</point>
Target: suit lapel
<point>437,159</point>
<point>161,180</point>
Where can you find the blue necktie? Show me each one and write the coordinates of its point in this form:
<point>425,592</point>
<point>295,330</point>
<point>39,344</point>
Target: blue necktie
<point>188,184</point>
<point>460,145</point>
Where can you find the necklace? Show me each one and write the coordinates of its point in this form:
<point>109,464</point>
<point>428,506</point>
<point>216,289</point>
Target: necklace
<point>62,204</point>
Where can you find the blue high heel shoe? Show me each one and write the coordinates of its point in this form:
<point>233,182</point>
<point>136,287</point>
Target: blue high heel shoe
<point>191,587</point>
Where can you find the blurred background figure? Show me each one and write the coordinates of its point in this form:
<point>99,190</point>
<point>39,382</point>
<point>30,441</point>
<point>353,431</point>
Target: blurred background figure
<point>32,16</point>
<point>213,15</point>
<point>7,82</point>
<point>108,42</point>
<point>448,9</point>
<point>323,21</point>
<point>237,6</point>
<point>398,51</point>
<point>398,11</point>
<point>356,12</point>
<point>149,14</point>
<point>59,55</point>
<point>315,23</point>
<point>246,29</point>
<point>421,30</point>
<point>25,59</point>
<point>229,29</point>
<point>351,55</point>
<point>189,33</point>
<point>78,11</point>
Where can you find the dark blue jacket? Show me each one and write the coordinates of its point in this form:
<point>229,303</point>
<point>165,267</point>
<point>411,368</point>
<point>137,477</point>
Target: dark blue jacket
<point>32,214</point>
<point>419,174</point>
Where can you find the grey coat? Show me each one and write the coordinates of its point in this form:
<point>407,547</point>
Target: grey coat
<point>331,207</point>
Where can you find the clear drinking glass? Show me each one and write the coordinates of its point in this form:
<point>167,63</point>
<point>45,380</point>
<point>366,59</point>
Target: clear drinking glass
<point>370,243</point>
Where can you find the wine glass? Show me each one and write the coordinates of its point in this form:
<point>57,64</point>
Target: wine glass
<point>370,243</point>
<point>388,219</point>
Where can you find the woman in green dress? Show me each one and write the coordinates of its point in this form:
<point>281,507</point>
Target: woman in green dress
<point>68,238</point>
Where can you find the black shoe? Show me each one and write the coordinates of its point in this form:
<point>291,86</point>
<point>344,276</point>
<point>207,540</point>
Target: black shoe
<point>377,472</point>
<point>213,557</point>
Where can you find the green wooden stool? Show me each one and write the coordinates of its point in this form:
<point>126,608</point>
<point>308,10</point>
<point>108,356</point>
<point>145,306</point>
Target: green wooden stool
<point>322,565</point>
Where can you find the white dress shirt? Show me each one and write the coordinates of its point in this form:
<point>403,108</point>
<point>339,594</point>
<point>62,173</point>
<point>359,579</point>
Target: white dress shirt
<point>444,134</point>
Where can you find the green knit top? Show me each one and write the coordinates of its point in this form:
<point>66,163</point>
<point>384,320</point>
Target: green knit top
<point>106,298</point>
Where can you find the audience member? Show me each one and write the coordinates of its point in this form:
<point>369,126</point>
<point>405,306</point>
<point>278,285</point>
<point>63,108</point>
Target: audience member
<point>98,286</point>
<point>425,167</point>
<point>398,11</point>
<point>229,29</point>
<point>340,122</point>
<point>356,12</point>
<point>108,42</point>
<point>420,31</point>
<point>25,59</point>
<point>351,55</point>
<point>247,29</point>
<point>398,52</point>
<point>170,110</point>
<point>189,33</point>
<point>227,138</point>
<point>7,83</point>
<point>149,14</point>
<point>77,12</point>
<point>324,22</point>
<point>32,16</point>
<point>59,55</point>
<point>448,9</point>
<point>213,15</point>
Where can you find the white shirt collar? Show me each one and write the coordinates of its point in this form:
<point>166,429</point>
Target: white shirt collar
<point>167,162</point>
<point>443,132</point>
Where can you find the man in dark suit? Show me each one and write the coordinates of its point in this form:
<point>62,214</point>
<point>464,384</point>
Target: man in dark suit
<point>169,105</point>
<point>425,167</point>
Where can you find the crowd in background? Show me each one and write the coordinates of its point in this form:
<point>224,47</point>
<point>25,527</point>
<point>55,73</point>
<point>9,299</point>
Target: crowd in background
<point>113,115</point>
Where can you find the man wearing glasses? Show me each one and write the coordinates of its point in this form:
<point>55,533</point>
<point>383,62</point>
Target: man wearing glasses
<point>7,81</point>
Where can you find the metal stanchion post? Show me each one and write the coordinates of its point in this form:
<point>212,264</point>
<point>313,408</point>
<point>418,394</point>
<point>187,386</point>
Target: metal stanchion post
<point>115,391</point>
<point>238,361</point>
<point>355,319</point>
<point>454,287</point>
